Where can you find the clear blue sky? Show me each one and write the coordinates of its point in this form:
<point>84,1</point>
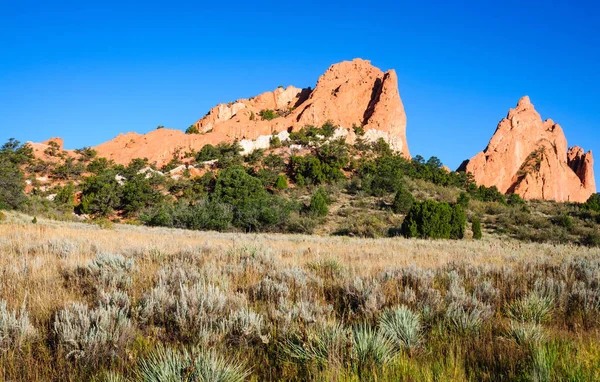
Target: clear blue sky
<point>87,71</point>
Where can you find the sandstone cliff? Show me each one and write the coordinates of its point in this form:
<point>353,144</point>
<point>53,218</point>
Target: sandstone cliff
<point>350,93</point>
<point>529,157</point>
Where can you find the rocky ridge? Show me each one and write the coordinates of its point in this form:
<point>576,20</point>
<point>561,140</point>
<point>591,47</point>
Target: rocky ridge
<point>349,94</point>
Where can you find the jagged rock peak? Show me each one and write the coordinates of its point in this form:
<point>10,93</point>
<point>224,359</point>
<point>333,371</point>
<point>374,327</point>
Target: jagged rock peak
<point>529,156</point>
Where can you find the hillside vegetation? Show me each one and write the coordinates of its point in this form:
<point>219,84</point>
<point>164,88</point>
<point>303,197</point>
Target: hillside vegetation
<point>311,183</point>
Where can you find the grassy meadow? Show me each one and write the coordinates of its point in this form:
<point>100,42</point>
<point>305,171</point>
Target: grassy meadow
<point>129,303</point>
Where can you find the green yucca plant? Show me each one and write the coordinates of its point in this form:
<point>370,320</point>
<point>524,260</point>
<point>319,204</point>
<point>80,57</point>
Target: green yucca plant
<point>371,348</point>
<point>532,308</point>
<point>170,365</point>
<point>464,321</point>
<point>523,333</point>
<point>323,346</point>
<point>402,327</point>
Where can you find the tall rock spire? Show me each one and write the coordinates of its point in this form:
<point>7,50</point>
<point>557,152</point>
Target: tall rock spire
<point>529,157</point>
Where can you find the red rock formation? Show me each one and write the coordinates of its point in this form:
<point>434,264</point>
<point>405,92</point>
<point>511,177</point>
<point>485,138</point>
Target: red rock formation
<point>349,93</point>
<point>529,156</point>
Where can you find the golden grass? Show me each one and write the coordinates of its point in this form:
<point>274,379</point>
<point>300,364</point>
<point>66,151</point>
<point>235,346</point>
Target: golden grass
<point>31,263</point>
<point>34,258</point>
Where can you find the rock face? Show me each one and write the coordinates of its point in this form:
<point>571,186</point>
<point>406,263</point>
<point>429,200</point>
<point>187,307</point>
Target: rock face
<point>350,93</point>
<point>529,157</point>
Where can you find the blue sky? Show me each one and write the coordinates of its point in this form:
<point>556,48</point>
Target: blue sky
<point>87,72</point>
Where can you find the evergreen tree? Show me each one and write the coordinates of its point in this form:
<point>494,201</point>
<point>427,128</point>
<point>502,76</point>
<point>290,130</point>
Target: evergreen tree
<point>281,183</point>
<point>458,222</point>
<point>318,204</point>
<point>476,227</point>
<point>403,201</point>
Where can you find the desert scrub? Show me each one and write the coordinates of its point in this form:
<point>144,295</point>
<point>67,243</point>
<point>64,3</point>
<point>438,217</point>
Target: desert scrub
<point>187,310</point>
<point>15,328</point>
<point>93,335</point>
<point>106,271</point>
<point>245,326</point>
<point>292,282</point>
<point>361,298</point>
<point>303,313</point>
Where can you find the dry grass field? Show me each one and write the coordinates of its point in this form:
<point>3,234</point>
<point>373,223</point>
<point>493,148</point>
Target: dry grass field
<point>80,302</point>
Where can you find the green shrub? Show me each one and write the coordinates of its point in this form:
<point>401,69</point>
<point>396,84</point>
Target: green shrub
<point>138,193</point>
<point>430,219</point>
<point>255,156</point>
<point>2,216</point>
<point>275,142</point>
<point>12,181</point>
<point>458,222</point>
<point>515,200</point>
<point>592,239</point>
<point>86,154</point>
<point>193,129</point>
<point>593,203</point>
<point>101,193</point>
<point>318,204</point>
<point>268,114</point>
<point>463,200</point>
<point>207,152</point>
<point>403,201</point>
<point>476,227</point>
<point>358,130</point>
<point>564,220</point>
<point>487,194</point>
<point>301,224</point>
<point>65,196</point>
<point>281,183</point>
<point>363,225</point>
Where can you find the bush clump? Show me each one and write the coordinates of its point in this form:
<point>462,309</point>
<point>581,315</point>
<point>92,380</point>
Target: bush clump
<point>402,327</point>
<point>476,227</point>
<point>268,114</point>
<point>403,201</point>
<point>15,329</point>
<point>430,219</point>
<point>281,182</point>
<point>93,335</point>
<point>193,129</point>
<point>318,204</point>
